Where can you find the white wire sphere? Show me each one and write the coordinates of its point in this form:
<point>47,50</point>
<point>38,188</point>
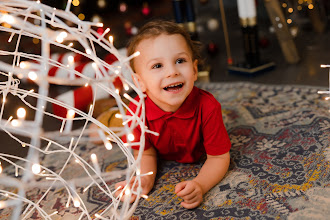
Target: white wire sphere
<point>26,20</point>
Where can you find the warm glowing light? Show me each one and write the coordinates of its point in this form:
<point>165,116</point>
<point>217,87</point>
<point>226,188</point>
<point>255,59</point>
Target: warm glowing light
<point>138,172</point>
<point>1,169</point>
<point>7,18</point>
<point>15,123</point>
<point>127,191</point>
<point>99,24</point>
<point>126,87</point>
<point>131,137</point>
<point>117,91</point>
<point>144,196</point>
<point>289,21</point>
<point>81,16</point>
<point>108,145</point>
<point>2,204</point>
<point>35,40</point>
<point>75,2</point>
<point>299,7</point>
<point>101,3</point>
<point>88,51</point>
<point>284,5</point>
<point>36,168</point>
<point>76,203</point>
<point>93,157</point>
<point>61,36</point>
<point>24,65</point>
<point>71,59</point>
<point>137,53</point>
<point>117,115</point>
<point>123,7</point>
<point>70,114</point>
<point>310,6</point>
<point>290,10</point>
<point>21,113</point>
<point>32,75</point>
<point>111,39</point>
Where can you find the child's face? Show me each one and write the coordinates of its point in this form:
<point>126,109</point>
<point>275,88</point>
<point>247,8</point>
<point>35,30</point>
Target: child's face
<point>165,70</point>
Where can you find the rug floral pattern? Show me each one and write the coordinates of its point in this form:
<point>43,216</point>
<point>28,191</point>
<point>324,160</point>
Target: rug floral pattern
<point>280,162</point>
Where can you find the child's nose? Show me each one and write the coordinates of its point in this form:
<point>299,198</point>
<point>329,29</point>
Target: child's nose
<point>172,71</point>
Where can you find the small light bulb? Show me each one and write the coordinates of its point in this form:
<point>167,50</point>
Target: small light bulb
<point>63,34</point>
<point>137,53</point>
<point>15,123</point>
<point>71,59</point>
<point>127,191</point>
<point>70,114</point>
<point>108,146</point>
<point>23,65</point>
<point>36,169</point>
<point>117,115</point>
<point>76,203</point>
<point>21,113</point>
<point>131,137</point>
<point>32,75</point>
<point>59,39</point>
<point>111,39</point>
<point>93,157</point>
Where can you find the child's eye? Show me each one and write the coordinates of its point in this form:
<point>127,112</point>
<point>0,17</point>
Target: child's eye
<point>156,66</point>
<point>180,60</point>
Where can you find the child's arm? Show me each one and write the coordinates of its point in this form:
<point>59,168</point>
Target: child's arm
<point>213,170</point>
<point>148,163</point>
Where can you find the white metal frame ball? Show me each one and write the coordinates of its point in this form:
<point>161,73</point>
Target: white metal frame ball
<point>62,29</point>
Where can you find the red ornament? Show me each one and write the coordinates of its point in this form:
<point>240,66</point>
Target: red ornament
<point>100,31</point>
<point>146,11</point>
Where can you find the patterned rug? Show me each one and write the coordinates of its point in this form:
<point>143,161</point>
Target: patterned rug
<point>280,162</point>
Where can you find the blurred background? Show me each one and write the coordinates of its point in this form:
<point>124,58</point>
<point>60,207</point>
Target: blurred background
<point>305,20</point>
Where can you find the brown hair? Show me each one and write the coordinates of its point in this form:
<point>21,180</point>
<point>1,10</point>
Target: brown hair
<point>155,28</point>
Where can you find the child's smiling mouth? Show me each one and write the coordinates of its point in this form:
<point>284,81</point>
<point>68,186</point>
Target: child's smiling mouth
<point>173,87</point>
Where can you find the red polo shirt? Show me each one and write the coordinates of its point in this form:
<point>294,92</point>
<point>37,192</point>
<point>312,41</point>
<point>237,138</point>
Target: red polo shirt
<point>194,129</point>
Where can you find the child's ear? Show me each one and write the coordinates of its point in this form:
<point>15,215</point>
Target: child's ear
<point>138,81</point>
<point>195,67</point>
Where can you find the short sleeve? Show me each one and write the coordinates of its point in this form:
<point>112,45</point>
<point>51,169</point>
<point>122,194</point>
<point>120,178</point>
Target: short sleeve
<point>216,139</point>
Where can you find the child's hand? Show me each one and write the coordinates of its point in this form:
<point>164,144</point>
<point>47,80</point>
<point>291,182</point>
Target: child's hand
<point>191,192</point>
<point>146,183</point>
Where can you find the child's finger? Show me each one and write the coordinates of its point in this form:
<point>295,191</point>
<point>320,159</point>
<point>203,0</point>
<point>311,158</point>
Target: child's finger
<point>189,196</point>
<point>186,190</point>
<point>180,186</point>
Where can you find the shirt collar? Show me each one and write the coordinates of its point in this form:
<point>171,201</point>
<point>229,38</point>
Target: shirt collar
<point>186,110</point>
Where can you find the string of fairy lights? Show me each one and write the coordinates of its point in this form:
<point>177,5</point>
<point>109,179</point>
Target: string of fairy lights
<point>63,29</point>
